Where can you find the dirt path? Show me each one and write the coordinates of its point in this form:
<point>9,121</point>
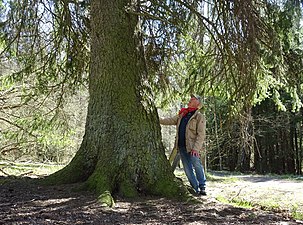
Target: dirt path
<point>24,203</point>
<point>266,191</point>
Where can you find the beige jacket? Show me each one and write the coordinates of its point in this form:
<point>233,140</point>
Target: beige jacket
<point>194,133</point>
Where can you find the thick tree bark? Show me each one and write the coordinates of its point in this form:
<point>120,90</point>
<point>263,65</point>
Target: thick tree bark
<point>122,151</point>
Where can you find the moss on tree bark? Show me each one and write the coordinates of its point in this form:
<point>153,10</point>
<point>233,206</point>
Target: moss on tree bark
<point>122,151</point>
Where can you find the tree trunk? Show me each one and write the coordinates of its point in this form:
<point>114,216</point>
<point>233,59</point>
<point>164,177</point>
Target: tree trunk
<point>245,150</point>
<point>122,151</point>
<point>299,165</point>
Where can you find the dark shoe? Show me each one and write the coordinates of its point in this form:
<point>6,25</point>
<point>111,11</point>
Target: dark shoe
<point>202,192</point>
<point>192,191</point>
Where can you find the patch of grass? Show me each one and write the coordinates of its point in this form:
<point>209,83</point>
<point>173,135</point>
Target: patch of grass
<point>296,213</point>
<point>227,179</point>
<point>23,169</point>
<point>211,177</point>
<point>238,202</point>
<point>285,176</point>
<point>223,176</point>
<point>225,173</point>
<point>264,205</point>
<point>242,203</point>
<point>222,199</point>
<point>269,206</point>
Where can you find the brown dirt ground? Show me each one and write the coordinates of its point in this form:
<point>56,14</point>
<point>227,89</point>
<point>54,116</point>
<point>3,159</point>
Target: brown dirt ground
<point>22,202</point>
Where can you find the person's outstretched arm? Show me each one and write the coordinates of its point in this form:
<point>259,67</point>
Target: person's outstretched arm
<point>169,121</point>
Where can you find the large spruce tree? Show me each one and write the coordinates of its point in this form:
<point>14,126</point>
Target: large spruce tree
<point>122,149</point>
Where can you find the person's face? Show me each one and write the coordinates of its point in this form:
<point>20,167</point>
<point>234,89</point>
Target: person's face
<point>193,103</point>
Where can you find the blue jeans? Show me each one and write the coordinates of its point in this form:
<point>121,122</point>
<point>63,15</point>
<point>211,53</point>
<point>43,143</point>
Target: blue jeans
<point>191,163</point>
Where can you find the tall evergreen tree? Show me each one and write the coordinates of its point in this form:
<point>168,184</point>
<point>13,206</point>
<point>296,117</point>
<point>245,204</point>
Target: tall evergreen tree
<point>121,149</point>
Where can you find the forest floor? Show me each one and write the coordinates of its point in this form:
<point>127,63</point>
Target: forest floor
<point>231,199</point>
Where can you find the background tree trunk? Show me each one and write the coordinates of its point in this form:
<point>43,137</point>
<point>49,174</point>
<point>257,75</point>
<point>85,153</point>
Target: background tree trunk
<point>122,151</point>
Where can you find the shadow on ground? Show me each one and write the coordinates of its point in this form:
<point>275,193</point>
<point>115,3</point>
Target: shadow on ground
<point>23,202</point>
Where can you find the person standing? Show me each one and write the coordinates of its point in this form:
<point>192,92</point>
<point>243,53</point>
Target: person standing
<point>190,140</point>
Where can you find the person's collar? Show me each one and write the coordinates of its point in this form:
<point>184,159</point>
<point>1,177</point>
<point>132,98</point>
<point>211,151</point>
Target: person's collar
<point>185,111</point>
